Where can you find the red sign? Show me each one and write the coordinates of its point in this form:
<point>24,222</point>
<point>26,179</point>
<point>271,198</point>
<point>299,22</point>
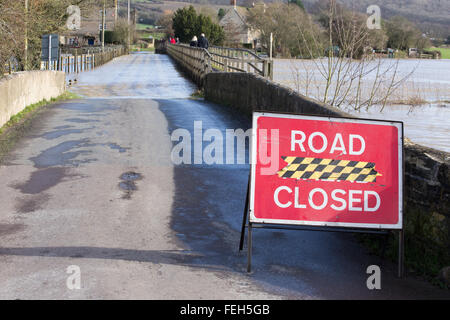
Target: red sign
<point>324,171</point>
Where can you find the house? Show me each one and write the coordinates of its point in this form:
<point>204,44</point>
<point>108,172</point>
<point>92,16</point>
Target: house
<point>90,27</point>
<point>239,32</point>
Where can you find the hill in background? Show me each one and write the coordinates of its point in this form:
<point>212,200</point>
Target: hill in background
<point>431,16</point>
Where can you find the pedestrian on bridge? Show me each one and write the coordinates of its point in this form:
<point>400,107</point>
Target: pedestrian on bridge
<point>203,42</point>
<point>194,42</point>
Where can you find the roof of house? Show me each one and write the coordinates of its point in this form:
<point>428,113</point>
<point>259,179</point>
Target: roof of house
<point>90,24</point>
<point>236,15</point>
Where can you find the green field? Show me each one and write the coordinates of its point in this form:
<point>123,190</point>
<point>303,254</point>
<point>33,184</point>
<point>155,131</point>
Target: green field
<point>146,30</point>
<point>155,35</point>
<point>141,26</point>
<point>445,52</point>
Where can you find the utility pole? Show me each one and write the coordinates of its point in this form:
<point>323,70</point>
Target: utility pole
<point>129,11</point>
<point>25,58</point>
<point>129,26</point>
<point>103,24</point>
<point>116,11</point>
<point>271,44</point>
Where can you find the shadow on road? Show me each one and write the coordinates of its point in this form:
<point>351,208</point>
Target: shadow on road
<point>207,214</point>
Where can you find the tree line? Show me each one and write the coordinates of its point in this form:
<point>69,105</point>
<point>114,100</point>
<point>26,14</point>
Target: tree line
<point>294,30</point>
<point>298,33</point>
<point>185,23</point>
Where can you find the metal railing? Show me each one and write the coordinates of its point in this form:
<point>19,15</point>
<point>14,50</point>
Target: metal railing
<point>201,61</point>
<point>240,60</point>
<point>89,49</point>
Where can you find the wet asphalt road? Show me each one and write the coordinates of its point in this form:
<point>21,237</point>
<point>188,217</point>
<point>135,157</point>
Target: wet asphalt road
<point>92,184</point>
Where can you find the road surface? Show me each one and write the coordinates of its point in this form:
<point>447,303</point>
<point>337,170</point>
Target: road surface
<point>92,185</point>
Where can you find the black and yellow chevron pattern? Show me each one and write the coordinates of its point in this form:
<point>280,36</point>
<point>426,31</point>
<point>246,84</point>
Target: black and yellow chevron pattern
<point>328,169</point>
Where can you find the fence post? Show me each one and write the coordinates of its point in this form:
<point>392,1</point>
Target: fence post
<point>265,69</point>
<point>271,69</point>
<point>209,66</point>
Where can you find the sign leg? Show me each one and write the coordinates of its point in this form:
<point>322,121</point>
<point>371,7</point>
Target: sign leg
<point>244,217</point>
<point>249,254</point>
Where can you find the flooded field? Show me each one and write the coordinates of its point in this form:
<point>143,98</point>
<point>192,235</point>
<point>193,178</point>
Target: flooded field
<point>427,123</point>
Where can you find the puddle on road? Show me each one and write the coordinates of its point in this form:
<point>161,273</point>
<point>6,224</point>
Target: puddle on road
<point>115,146</point>
<point>128,183</point>
<point>130,176</point>
<point>79,120</point>
<point>41,180</point>
<point>61,154</point>
<point>62,132</point>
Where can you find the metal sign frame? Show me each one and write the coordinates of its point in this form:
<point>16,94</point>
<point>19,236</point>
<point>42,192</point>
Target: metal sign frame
<point>250,221</point>
<point>50,47</point>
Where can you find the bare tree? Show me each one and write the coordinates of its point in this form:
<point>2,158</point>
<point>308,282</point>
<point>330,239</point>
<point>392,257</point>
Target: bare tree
<point>42,17</point>
<point>165,21</point>
<point>11,32</point>
<point>349,74</point>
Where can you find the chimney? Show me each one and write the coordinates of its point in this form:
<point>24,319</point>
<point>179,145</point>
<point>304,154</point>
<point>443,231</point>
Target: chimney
<point>233,3</point>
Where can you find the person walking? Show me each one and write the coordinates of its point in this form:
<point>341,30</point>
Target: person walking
<point>203,42</point>
<point>194,42</point>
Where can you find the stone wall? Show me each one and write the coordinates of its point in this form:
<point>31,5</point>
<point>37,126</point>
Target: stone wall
<point>250,92</point>
<point>427,174</point>
<point>25,88</point>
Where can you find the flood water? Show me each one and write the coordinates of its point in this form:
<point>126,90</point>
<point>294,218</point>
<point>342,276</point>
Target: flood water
<point>427,124</point>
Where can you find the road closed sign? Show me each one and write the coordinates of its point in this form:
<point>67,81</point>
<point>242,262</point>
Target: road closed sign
<point>324,171</point>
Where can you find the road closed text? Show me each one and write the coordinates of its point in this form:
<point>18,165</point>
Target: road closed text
<point>319,199</point>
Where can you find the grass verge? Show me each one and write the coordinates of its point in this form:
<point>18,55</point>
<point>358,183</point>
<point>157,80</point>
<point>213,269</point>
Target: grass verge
<point>20,122</point>
<point>445,52</point>
<point>199,94</point>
